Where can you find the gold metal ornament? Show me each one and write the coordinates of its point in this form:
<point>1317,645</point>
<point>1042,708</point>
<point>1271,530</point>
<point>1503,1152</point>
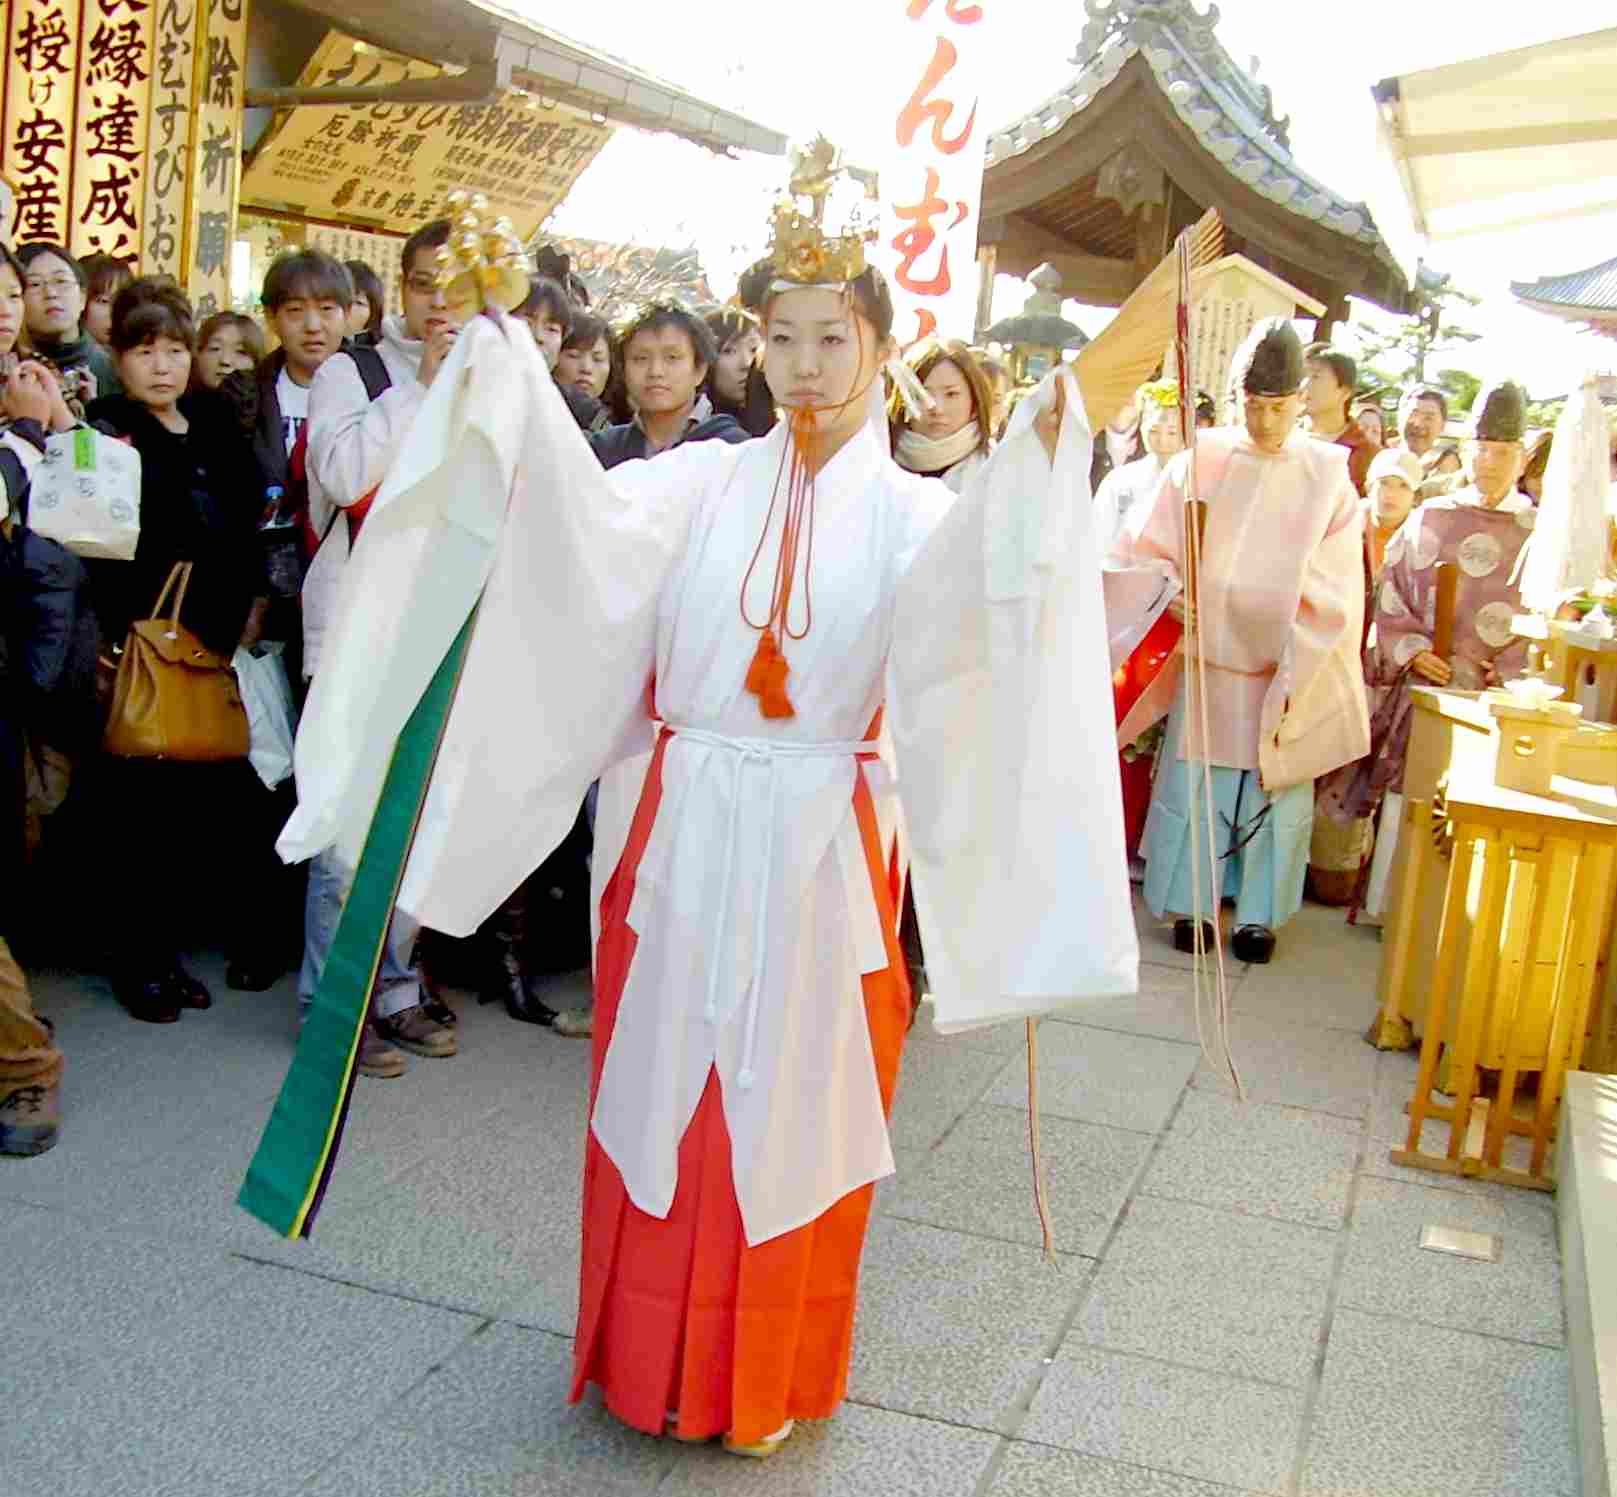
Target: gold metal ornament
<point>484,263</point>
<point>800,250</point>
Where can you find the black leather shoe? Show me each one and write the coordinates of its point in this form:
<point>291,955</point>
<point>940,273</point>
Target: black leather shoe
<point>153,1002</point>
<point>251,977</point>
<point>527,1009</point>
<point>1184,936</point>
<point>190,992</point>
<point>1254,944</point>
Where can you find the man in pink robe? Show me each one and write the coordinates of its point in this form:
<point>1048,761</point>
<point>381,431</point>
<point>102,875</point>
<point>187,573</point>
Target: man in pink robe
<point>1280,620</point>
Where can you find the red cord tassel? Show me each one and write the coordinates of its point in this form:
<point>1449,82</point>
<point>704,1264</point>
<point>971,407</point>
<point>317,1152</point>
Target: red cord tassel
<point>766,678</point>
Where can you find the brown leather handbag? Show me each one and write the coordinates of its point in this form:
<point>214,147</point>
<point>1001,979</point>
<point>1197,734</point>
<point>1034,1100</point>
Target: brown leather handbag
<point>174,698</point>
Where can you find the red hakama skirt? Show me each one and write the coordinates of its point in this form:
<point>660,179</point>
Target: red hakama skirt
<point>678,1313</point>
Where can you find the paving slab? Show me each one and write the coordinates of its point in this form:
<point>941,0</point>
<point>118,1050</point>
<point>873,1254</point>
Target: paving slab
<point>979,1179</point>
<point>1258,1160</point>
<point>1387,1271</point>
<point>937,1083</point>
<point>1330,997</point>
<point>261,1382</point>
<point>1293,1065</point>
<point>955,1327</point>
<point>1007,1039</point>
<point>1164,1007</point>
<point>402,1461</point>
<point>1038,1471</point>
<point>1100,1076</point>
<point>99,1292</point>
<point>1230,1294</point>
<point>1407,1410</point>
<point>860,1452</point>
<point>503,1394</point>
<point>491,1228</point>
<point>1152,1414</point>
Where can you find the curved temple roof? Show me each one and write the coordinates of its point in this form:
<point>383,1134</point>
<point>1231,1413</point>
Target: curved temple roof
<point>1228,111</point>
<point>1590,292</point>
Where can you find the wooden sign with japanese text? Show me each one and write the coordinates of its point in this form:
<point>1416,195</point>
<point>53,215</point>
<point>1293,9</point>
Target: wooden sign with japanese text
<point>390,166</point>
<point>215,128</point>
<point>36,141</point>
<point>173,71</point>
<point>109,143</point>
<point>382,252</point>
<point>931,167</point>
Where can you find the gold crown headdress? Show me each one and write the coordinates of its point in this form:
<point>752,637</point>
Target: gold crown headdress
<point>801,253</point>
<point>483,264</point>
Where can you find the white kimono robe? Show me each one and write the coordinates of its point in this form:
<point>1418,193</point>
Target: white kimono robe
<point>978,622</point>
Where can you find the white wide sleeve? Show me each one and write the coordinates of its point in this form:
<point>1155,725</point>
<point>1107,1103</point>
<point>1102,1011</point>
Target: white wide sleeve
<point>1001,711</point>
<point>555,688</point>
<point>495,501</point>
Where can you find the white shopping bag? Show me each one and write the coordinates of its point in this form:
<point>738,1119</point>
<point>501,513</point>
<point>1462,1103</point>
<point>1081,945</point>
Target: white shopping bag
<point>85,494</point>
<point>267,696</point>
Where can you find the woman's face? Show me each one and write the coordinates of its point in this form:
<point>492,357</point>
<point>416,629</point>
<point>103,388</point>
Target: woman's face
<point>10,309</point>
<point>156,372</point>
<point>947,386</point>
<point>1371,424</point>
<point>1159,427</point>
<point>735,361</point>
<point>586,369</point>
<point>98,317</point>
<point>821,352</point>
<point>1393,500</point>
<point>359,315</point>
<point>223,354</point>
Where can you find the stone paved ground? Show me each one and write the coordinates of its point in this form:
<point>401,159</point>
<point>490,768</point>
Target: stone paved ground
<point>1240,1304</point>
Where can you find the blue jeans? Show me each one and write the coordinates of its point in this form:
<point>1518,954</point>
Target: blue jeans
<point>398,985</point>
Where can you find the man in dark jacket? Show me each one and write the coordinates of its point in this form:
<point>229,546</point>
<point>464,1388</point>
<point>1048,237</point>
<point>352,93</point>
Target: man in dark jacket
<point>53,305</point>
<point>667,353</point>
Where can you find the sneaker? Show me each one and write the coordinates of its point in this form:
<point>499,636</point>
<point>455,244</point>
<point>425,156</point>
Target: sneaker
<point>411,1029</point>
<point>765,1447</point>
<point>574,1023</point>
<point>378,1058</point>
<point>29,1119</point>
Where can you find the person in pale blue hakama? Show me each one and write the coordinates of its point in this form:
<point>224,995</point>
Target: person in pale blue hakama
<point>1262,840</point>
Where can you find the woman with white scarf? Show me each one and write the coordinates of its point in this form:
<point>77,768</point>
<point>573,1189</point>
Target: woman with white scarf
<point>953,439</point>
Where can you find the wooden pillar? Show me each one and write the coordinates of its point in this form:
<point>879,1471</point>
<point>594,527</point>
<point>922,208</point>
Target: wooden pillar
<point>987,258</point>
<point>1336,310</point>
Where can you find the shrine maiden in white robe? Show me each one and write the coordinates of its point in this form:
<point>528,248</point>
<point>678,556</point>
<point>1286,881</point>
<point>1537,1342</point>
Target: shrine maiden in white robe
<point>977,622</point>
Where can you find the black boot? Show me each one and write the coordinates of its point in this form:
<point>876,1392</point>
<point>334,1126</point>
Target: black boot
<point>1184,936</point>
<point>507,979</point>
<point>1253,943</point>
<point>149,997</point>
<point>433,1003</point>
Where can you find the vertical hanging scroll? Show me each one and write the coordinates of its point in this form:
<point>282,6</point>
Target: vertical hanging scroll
<point>109,155</point>
<point>215,159</point>
<point>173,64</point>
<point>36,144</point>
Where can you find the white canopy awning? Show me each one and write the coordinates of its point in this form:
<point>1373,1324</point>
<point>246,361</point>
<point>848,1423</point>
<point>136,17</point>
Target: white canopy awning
<point>1495,143</point>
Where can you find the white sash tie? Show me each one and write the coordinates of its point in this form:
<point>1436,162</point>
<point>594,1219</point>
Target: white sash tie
<point>769,752</point>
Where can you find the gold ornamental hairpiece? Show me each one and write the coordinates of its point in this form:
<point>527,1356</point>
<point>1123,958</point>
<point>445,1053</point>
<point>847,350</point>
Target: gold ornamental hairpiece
<point>801,253</point>
<point>484,263</point>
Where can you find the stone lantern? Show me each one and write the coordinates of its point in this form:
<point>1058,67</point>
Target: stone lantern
<point>1037,336</point>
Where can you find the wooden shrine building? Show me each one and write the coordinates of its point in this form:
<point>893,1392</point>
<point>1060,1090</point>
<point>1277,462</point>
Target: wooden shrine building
<point>1158,125</point>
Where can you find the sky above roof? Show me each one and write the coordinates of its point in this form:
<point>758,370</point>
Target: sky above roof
<point>823,74</point>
